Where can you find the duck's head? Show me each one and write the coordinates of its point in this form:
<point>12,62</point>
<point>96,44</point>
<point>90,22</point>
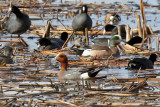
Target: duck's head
<point>62,58</point>
<point>64,36</point>
<point>153,57</point>
<point>115,40</point>
<point>84,9</point>
<point>114,19</point>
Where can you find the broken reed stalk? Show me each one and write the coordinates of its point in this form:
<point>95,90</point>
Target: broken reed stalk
<point>149,39</point>
<point>119,30</point>
<point>64,45</point>
<point>47,30</point>
<point>57,13</point>
<point>86,35</point>
<point>139,85</point>
<point>143,20</point>
<point>157,45</point>
<point>128,36</point>
<point>139,26</point>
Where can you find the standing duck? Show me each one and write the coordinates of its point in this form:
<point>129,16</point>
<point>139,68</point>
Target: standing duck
<point>18,22</point>
<point>84,73</point>
<point>142,63</point>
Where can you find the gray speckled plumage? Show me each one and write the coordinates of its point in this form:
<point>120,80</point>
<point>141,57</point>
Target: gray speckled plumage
<point>5,56</point>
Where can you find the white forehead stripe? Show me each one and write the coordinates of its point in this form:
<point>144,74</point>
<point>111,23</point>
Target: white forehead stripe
<point>84,8</point>
<point>10,9</point>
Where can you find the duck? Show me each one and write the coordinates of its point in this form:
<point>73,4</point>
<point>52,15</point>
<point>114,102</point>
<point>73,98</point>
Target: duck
<point>82,20</point>
<point>106,50</point>
<point>5,56</point>
<point>53,43</point>
<point>112,19</point>
<point>17,23</point>
<point>142,63</point>
<point>134,40</point>
<point>83,73</point>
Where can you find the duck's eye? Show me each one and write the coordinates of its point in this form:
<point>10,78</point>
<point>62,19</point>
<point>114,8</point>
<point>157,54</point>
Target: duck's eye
<point>61,56</point>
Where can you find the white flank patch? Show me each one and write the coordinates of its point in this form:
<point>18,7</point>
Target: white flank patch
<point>84,76</point>
<point>87,52</point>
<point>104,31</point>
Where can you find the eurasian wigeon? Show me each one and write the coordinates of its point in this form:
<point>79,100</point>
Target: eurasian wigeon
<point>83,73</point>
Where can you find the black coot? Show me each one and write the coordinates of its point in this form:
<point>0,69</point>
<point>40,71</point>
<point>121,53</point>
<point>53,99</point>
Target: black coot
<point>134,40</point>
<point>53,43</point>
<point>18,22</point>
<point>82,20</point>
<point>142,63</point>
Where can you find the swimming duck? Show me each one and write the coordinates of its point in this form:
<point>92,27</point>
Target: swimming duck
<point>84,73</point>
<point>82,20</point>
<point>5,56</point>
<point>101,51</point>
<point>18,22</point>
<point>142,63</point>
<point>112,19</point>
<point>53,43</point>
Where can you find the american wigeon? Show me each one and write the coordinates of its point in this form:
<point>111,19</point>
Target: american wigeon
<point>18,22</point>
<point>101,51</point>
<point>82,20</point>
<point>5,56</point>
<point>84,73</point>
<point>112,19</point>
<point>142,63</point>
